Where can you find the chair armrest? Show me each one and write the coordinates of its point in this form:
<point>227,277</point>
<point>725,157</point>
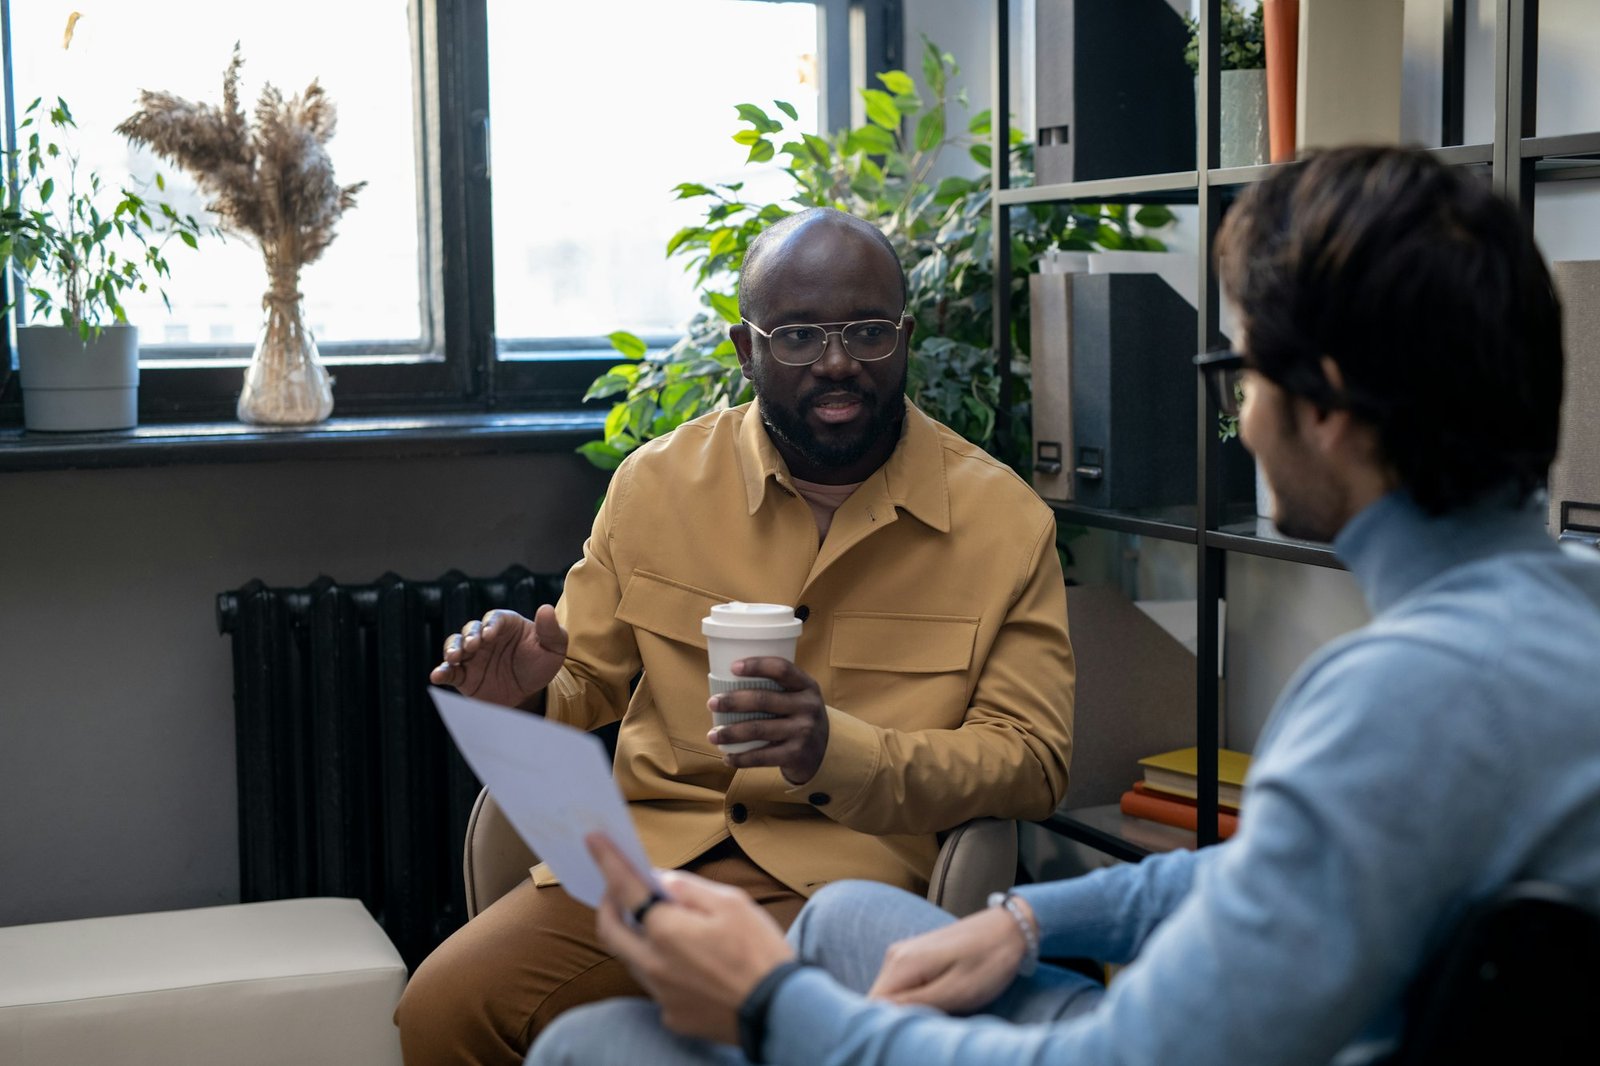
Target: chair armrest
<point>495,858</point>
<point>976,858</point>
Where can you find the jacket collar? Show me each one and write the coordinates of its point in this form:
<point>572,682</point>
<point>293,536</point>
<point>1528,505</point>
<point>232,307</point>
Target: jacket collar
<point>912,480</point>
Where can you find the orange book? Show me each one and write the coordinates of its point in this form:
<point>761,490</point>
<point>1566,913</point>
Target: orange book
<point>1170,810</point>
<point>1145,788</point>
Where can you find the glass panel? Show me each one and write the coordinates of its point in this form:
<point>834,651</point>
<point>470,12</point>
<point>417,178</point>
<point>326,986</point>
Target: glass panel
<point>1569,67</point>
<point>366,286</point>
<point>1422,84</point>
<point>1566,219</point>
<point>594,128</point>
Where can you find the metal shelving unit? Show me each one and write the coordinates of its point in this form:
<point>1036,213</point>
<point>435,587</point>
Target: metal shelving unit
<point>1517,159</point>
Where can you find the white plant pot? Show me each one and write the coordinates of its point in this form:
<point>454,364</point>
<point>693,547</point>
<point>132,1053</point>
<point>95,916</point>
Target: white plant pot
<point>69,385</point>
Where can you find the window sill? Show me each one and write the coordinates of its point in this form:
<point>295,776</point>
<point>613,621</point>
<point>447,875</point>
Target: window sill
<point>380,437</point>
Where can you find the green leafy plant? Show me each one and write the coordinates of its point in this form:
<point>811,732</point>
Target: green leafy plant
<point>80,245</point>
<point>881,172</point>
<point>1243,45</point>
<point>1228,425</point>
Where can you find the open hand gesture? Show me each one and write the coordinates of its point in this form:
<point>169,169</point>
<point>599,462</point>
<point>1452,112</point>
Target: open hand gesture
<point>504,658</point>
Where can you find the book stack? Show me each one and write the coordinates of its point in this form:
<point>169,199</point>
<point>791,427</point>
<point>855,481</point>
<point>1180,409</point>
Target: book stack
<point>1167,794</point>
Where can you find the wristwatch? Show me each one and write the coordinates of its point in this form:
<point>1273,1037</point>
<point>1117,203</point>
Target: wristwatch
<point>1010,904</point>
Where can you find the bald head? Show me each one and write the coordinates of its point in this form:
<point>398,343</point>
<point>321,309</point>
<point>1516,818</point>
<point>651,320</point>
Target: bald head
<point>773,246</point>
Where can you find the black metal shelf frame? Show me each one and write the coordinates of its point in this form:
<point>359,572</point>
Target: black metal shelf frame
<point>1063,824</point>
<point>1121,522</point>
<point>1272,547</point>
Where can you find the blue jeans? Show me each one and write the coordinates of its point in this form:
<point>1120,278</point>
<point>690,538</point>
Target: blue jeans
<point>844,929</point>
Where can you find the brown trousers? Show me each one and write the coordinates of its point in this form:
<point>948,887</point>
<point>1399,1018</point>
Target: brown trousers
<point>486,992</point>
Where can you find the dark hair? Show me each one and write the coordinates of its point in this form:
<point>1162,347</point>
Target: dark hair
<point>1427,291</point>
<point>752,277</point>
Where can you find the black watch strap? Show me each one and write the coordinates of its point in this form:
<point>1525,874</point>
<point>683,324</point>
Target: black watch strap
<point>753,1011</point>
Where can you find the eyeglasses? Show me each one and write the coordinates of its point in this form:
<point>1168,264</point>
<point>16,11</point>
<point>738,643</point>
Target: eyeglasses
<point>866,341</point>
<point>1224,374</point>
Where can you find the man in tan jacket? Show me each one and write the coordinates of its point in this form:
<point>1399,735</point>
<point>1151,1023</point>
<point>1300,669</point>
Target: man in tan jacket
<point>932,682</point>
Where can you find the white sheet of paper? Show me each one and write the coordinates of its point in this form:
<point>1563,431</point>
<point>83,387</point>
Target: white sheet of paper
<point>552,781</point>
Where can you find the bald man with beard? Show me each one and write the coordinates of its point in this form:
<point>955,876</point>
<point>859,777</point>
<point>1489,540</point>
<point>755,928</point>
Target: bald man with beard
<point>932,683</point>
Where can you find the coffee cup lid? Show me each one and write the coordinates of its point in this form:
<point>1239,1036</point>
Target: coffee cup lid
<point>762,620</point>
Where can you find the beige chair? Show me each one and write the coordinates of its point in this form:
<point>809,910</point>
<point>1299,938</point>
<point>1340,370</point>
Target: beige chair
<point>975,859</point>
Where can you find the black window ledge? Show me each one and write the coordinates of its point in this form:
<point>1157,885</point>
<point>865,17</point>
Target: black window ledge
<point>376,437</point>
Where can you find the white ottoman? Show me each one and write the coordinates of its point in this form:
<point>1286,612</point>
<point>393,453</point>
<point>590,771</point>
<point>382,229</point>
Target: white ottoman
<point>303,981</point>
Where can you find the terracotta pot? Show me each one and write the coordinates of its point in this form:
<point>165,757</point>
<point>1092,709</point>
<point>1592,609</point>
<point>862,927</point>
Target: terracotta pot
<point>1280,31</point>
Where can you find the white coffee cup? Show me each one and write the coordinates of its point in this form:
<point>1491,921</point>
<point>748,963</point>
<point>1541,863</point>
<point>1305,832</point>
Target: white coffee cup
<point>737,631</point>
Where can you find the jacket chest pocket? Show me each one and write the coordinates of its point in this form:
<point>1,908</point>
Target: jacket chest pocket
<point>666,608</point>
<point>902,670</point>
<point>665,615</point>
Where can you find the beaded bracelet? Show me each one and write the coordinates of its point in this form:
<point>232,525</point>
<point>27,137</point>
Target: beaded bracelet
<point>1030,958</point>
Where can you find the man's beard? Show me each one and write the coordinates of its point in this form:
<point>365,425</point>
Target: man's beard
<point>1306,505</point>
<point>788,424</point>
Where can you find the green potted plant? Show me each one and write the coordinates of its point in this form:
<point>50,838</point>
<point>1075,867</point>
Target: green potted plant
<point>880,172</point>
<point>1243,135</point>
<point>78,247</point>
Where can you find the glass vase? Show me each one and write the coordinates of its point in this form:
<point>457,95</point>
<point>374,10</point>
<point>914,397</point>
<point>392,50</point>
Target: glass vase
<point>286,383</point>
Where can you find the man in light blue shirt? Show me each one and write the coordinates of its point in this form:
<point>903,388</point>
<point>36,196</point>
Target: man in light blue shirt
<point>1401,369</point>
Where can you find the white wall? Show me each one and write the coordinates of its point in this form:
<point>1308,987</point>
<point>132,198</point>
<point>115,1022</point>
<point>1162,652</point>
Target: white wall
<point>962,28</point>
<point>117,787</point>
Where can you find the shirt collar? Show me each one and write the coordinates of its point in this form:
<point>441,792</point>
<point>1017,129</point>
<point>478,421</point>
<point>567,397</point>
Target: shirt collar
<point>1393,546</point>
<point>913,479</point>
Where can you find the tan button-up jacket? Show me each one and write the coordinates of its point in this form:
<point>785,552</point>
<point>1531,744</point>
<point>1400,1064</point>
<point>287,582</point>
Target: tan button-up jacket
<point>935,625</point>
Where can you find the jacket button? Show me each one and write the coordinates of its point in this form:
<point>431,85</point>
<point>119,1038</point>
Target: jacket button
<point>818,799</point>
<point>802,612</point>
<point>738,812</point>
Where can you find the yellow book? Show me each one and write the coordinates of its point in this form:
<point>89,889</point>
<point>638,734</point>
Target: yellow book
<point>1175,772</point>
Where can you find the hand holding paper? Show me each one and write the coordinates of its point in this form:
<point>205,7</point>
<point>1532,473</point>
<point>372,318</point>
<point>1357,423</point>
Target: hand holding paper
<point>552,781</point>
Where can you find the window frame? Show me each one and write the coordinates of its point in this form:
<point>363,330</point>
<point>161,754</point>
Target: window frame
<point>458,364</point>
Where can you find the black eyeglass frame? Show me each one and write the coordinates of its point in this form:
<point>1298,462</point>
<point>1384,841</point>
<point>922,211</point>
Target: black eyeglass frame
<point>1221,370</point>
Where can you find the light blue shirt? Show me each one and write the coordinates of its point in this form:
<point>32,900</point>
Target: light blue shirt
<point>1410,768</point>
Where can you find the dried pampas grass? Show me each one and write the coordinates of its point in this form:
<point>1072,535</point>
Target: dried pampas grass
<point>271,181</point>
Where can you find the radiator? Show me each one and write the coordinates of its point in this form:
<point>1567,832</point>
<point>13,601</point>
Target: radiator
<point>348,783</point>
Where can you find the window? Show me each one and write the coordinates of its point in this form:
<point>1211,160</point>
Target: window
<point>486,260</point>
<point>584,203</point>
<point>367,287</point>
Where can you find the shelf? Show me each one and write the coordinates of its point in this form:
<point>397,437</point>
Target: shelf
<point>1461,154</point>
<point>1454,155</point>
<point>1566,170</point>
<point>1180,186</point>
<point>1177,187</point>
<point>1108,830</point>
<point>1259,536</point>
<point>1565,157</point>
<point>1224,177</point>
<point>1166,523</point>
<point>1567,145</point>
